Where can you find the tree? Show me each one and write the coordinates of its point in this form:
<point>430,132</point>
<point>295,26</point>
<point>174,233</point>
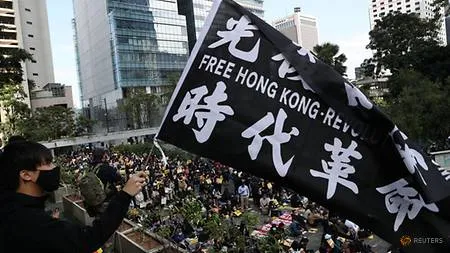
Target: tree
<point>141,108</point>
<point>16,111</point>
<point>409,47</point>
<point>328,53</point>
<point>434,63</point>
<point>403,41</point>
<point>172,79</point>
<point>50,123</point>
<point>11,60</point>
<point>83,125</point>
<point>397,38</point>
<point>12,95</point>
<point>419,107</point>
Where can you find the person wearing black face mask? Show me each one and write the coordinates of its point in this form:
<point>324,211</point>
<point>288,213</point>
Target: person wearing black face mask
<point>49,180</point>
<point>27,174</point>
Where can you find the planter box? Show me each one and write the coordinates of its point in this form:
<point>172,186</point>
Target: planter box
<point>130,242</point>
<point>73,210</point>
<point>126,225</point>
<point>169,247</point>
<point>57,196</point>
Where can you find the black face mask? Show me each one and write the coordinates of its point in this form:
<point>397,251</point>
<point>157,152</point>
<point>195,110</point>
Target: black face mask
<point>49,179</point>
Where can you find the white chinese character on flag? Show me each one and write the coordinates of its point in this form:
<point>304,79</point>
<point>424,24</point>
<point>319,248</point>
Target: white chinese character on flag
<point>339,169</point>
<point>444,172</point>
<point>236,31</point>
<point>305,52</point>
<point>207,114</point>
<point>399,200</point>
<point>276,139</point>
<point>286,68</point>
<point>411,157</point>
<point>355,97</point>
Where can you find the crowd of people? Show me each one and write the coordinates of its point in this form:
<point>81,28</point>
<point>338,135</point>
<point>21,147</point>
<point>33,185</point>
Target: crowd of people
<point>223,194</point>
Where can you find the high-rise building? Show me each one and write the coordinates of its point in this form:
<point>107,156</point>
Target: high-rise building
<point>126,44</point>
<point>25,25</point>
<point>202,7</point>
<point>379,8</point>
<point>300,28</point>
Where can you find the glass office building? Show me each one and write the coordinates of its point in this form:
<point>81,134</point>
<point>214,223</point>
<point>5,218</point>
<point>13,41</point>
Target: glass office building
<point>126,44</point>
<point>148,42</point>
<point>202,7</point>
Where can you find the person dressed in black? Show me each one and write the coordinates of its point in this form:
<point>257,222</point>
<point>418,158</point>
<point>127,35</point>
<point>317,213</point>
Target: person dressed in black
<point>109,176</point>
<point>27,174</point>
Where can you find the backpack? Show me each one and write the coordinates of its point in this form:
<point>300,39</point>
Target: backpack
<point>91,187</point>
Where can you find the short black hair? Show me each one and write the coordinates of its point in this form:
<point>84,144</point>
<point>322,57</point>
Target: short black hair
<point>98,154</point>
<point>16,138</point>
<point>17,156</point>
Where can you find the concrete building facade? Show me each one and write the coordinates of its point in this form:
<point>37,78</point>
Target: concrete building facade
<point>380,8</point>
<point>26,27</point>
<point>52,94</point>
<point>300,28</point>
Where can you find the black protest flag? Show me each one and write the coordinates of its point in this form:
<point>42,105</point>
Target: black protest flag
<point>369,122</point>
<point>253,100</point>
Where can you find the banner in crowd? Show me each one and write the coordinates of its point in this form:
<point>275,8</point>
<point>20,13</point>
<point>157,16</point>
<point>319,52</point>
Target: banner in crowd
<point>253,100</point>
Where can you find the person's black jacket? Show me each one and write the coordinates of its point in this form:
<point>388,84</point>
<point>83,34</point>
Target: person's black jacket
<point>25,227</point>
<point>109,177</point>
<point>108,174</point>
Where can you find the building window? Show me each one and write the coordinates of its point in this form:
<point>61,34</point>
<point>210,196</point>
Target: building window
<point>29,22</point>
<point>31,35</point>
<point>6,5</point>
<point>417,3</point>
<point>35,74</point>
<point>27,9</point>
<point>408,5</point>
<point>375,15</point>
<point>8,36</point>
<point>390,6</point>
<point>33,61</point>
<point>7,20</point>
<point>418,9</point>
<point>32,48</point>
